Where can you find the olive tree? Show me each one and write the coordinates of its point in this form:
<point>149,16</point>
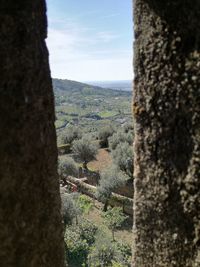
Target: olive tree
<point>110,179</point>
<point>67,167</point>
<point>104,134</point>
<point>70,209</point>
<point>123,158</point>
<point>85,150</point>
<point>70,134</point>
<point>120,137</point>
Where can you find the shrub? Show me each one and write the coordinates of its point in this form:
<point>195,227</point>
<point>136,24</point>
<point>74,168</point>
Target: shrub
<point>110,179</point>
<point>120,137</point>
<point>104,134</point>
<point>85,150</point>
<point>67,167</point>
<point>102,253</point>
<point>87,231</point>
<point>71,133</point>
<point>78,240</point>
<point>107,253</point>
<point>77,248</point>
<point>123,158</point>
<point>85,203</point>
<point>123,254</point>
<point>69,208</point>
<point>128,127</point>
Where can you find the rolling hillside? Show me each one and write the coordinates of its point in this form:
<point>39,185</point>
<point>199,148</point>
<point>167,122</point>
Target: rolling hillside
<point>89,107</point>
<point>74,87</point>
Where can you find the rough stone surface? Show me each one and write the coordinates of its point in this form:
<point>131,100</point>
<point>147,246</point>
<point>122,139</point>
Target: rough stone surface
<point>167,133</point>
<point>30,222</point>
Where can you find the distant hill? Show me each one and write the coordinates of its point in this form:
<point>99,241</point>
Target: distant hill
<point>67,86</point>
<point>124,85</point>
<point>90,107</point>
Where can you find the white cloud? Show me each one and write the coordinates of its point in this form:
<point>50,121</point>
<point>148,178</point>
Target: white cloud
<point>112,15</point>
<point>75,55</point>
<point>106,36</point>
<point>93,69</point>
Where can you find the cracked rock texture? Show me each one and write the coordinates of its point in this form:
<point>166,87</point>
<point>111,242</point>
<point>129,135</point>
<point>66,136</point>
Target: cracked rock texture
<point>30,221</point>
<point>166,111</point>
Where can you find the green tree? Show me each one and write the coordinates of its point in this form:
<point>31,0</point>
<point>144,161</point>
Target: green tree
<point>67,167</point>
<point>123,158</point>
<point>73,206</point>
<point>114,219</point>
<point>70,210</point>
<point>70,134</point>
<point>102,252</point>
<point>120,137</point>
<point>106,253</point>
<point>78,240</point>
<point>87,231</point>
<point>85,203</point>
<point>104,134</point>
<point>85,150</point>
<point>77,248</point>
<point>110,179</point>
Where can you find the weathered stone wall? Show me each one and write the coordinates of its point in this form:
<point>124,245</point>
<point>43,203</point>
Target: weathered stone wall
<point>30,222</point>
<point>167,133</point>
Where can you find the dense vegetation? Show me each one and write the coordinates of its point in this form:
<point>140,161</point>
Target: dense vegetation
<point>91,119</point>
<point>88,244</point>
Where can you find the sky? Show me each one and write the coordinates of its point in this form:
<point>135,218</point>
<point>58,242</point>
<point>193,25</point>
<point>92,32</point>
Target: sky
<point>90,40</point>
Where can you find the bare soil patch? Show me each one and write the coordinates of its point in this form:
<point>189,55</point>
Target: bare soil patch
<point>103,160</point>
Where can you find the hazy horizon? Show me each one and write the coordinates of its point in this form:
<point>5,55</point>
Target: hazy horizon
<point>85,81</point>
<point>124,85</point>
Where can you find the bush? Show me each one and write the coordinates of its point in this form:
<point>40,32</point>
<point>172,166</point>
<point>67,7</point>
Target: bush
<point>71,133</point>
<point>85,203</point>
<point>123,158</point>
<point>77,248</point>
<point>67,167</point>
<point>69,208</point>
<point>87,231</point>
<point>107,253</point>
<point>78,240</point>
<point>104,134</point>
<point>128,127</point>
<point>85,150</point>
<point>110,179</point>
<point>120,137</point>
<point>102,253</point>
<point>123,255</point>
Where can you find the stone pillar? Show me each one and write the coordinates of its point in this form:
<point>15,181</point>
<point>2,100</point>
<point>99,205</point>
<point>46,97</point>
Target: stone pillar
<point>30,221</point>
<point>166,111</point>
